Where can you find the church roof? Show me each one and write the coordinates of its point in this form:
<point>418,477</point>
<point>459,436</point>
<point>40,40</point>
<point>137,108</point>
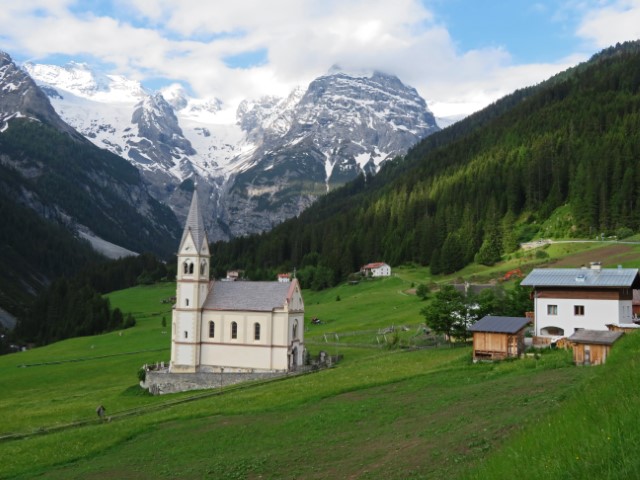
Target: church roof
<point>194,223</point>
<point>251,296</point>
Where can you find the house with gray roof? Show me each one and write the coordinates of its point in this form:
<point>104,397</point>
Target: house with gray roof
<point>567,300</point>
<point>231,327</point>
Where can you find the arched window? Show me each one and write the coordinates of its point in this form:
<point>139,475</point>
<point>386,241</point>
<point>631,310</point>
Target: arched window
<point>212,329</point>
<point>203,267</point>
<point>234,330</point>
<point>256,331</point>
<point>185,267</point>
<point>295,329</point>
<point>186,334</point>
<point>191,267</point>
<point>186,302</point>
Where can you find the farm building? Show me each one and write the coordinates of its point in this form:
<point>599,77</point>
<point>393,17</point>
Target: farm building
<point>591,347</point>
<point>496,338</point>
<point>570,299</point>
<point>377,269</point>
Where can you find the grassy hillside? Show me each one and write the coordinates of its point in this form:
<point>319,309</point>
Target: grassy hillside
<point>381,413</point>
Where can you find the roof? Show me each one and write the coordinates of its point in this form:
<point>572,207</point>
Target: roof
<point>496,324</point>
<point>251,296</point>
<point>194,223</point>
<point>374,265</point>
<point>582,277</point>
<point>600,337</point>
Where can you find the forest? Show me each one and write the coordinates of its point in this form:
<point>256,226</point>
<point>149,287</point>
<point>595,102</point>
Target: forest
<point>473,191</point>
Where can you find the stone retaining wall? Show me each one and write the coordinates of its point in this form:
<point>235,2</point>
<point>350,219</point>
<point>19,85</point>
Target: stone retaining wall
<point>159,382</point>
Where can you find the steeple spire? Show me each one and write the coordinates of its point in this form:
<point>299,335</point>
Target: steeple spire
<point>194,224</point>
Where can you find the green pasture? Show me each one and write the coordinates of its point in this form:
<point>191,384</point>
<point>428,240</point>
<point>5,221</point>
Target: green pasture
<point>382,412</point>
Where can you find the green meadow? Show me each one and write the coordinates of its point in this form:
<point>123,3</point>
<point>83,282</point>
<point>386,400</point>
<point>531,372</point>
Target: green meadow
<point>382,412</point>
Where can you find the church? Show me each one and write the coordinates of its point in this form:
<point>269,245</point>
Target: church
<point>232,327</point>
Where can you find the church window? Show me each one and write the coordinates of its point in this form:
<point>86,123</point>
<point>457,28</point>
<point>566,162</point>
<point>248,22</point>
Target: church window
<point>212,329</point>
<point>295,329</point>
<point>186,302</point>
<point>234,330</point>
<point>186,334</point>
<point>185,267</point>
<point>256,331</point>
<point>203,267</point>
<point>191,267</point>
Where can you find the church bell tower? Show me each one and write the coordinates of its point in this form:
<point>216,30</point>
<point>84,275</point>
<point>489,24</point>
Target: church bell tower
<point>192,286</point>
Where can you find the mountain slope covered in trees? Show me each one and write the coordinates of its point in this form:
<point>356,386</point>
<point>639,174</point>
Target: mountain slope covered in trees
<point>472,191</point>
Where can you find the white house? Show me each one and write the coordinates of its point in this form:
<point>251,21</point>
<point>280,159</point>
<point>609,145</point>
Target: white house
<point>231,326</point>
<point>567,300</point>
<point>377,269</point>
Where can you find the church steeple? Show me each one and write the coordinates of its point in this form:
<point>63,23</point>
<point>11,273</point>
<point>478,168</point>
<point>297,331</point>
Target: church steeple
<point>192,286</point>
<point>194,227</point>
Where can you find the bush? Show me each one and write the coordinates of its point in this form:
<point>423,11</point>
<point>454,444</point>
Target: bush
<point>130,321</point>
<point>142,374</point>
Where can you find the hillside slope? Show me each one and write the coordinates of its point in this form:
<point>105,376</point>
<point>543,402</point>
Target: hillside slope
<point>474,190</point>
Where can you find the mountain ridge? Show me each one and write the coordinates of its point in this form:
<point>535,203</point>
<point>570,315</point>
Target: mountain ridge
<point>170,137</point>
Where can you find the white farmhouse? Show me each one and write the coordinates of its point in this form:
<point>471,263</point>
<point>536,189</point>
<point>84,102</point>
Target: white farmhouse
<point>377,269</point>
<point>231,326</point>
<point>567,300</point>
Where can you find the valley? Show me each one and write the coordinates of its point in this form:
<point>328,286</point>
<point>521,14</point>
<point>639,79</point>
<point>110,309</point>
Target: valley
<point>381,412</point>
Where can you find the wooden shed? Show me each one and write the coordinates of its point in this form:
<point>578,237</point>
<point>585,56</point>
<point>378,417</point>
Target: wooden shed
<point>591,347</point>
<point>496,338</point>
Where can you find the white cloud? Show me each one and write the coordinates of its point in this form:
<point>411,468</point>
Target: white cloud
<point>188,41</point>
<point>612,22</point>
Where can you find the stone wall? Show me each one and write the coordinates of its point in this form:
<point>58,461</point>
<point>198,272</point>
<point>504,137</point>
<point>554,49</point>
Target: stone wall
<point>159,382</point>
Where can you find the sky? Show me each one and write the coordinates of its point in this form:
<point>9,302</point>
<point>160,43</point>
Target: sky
<point>460,55</point>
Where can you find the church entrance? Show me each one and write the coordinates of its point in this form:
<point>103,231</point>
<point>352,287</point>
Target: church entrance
<point>294,359</point>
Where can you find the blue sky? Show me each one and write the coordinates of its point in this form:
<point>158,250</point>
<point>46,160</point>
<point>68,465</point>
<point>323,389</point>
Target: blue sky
<point>459,54</point>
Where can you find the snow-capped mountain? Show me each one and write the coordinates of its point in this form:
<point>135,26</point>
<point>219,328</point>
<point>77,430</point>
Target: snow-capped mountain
<point>259,163</point>
<point>56,172</point>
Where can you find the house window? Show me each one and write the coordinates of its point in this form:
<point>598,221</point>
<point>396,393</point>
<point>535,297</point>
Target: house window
<point>256,331</point>
<point>578,310</point>
<point>212,329</point>
<point>234,330</point>
<point>552,309</point>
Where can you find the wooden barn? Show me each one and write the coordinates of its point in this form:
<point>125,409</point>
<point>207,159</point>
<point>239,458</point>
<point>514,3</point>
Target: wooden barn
<point>496,338</point>
<point>591,347</point>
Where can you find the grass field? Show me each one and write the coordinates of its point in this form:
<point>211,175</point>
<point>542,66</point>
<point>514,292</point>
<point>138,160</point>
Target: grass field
<point>381,413</point>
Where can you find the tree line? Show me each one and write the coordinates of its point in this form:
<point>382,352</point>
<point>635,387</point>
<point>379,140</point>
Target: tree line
<point>74,305</point>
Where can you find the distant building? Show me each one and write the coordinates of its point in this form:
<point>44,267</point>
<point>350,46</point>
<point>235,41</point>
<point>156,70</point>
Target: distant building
<point>284,277</point>
<point>567,300</point>
<point>231,326</point>
<point>377,269</point>
<point>497,338</point>
<point>233,275</point>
